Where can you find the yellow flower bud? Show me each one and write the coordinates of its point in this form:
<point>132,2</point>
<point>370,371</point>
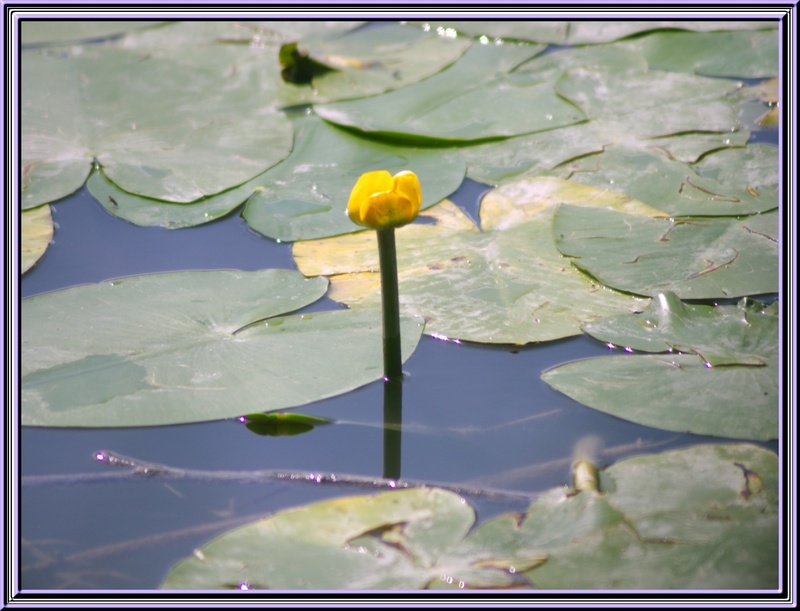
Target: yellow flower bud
<point>380,200</point>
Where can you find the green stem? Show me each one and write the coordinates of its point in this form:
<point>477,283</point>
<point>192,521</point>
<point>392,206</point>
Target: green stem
<point>392,357</point>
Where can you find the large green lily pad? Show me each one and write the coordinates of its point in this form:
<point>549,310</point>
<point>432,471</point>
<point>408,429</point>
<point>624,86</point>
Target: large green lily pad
<point>177,128</point>
<point>627,105</point>
<point>739,54</point>
<point>37,231</point>
<point>356,61</point>
<point>395,540</point>
<point>674,102</point>
<point>306,196</point>
<point>652,176</point>
<point>41,31</point>
<point>704,517</point>
<point>501,283</point>
<point>461,103</point>
<point>191,346</point>
<point>581,32</point>
<point>720,376</point>
<point>701,518</point>
<point>303,197</point>
<point>696,258</point>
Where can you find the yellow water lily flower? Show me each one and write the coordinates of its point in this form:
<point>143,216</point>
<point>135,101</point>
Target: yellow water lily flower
<point>382,201</point>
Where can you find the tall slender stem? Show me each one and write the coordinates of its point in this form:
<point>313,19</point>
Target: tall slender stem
<point>392,357</point>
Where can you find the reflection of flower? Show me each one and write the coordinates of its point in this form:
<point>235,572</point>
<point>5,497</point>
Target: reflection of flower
<point>382,201</point>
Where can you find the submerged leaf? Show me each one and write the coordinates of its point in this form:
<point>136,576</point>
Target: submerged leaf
<point>191,346</point>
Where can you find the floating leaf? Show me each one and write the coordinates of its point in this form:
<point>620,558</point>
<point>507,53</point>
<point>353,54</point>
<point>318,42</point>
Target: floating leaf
<point>650,103</point>
<point>702,517</point>
<point>725,383</point>
<point>191,346</point>
<point>627,105</point>
<point>695,258</point>
<point>370,61</point>
<point>460,103</point>
<point>650,176</point>
<point>303,197</point>
<point>306,196</point>
<point>40,31</point>
<point>739,54</point>
<point>402,539</point>
<point>37,231</point>
<point>684,519</point>
<point>502,283</point>
<point>580,32</point>
<point>195,129</point>
<point>282,423</point>
<point>745,334</point>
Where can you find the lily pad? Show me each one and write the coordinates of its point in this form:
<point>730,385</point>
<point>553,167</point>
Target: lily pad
<point>403,539</point>
<point>738,54</point>
<point>651,176</point>
<point>359,61</point>
<point>191,346</point>
<point>40,31</point>
<point>195,129</point>
<point>696,258</point>
<point>704,517</point>
<point>37,232</point>
<point>700,518</point>
<point>627,105</point>
<point>303,197</point>
<point>579,32</point>
<point>720,378</point>
<point>650,103</point>
<point>460,103</point>
<point>720,335</point>
<point>501,283</point>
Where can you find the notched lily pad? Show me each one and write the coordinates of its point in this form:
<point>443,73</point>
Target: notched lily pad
<point>704,517</point>
<point>460,103</point>
<point>191,346</point>
<point>502,283</point>
<point>720,376</point>
<point>696,258</point>
<point>407,539</point>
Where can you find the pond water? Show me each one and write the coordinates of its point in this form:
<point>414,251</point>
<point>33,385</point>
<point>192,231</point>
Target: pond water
<point>472,414</point>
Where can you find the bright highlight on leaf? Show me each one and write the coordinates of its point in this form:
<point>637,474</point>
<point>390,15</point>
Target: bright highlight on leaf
<point>382,201</point>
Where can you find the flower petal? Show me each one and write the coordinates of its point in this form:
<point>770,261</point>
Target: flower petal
<point>368,184</point>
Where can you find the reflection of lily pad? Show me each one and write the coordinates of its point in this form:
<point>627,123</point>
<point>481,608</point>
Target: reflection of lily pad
<point>721,377</point>
<point>695,258</point>
<point>460,103</point>
<point>702,517</point>
<point>191,346</point>
<point>502,283</point>
<point>37,231</point>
